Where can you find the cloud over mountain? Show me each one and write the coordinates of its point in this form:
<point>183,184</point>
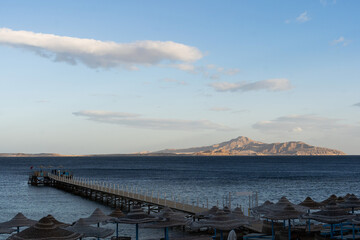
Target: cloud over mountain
<point>137,121</point>
<point>99,54</point>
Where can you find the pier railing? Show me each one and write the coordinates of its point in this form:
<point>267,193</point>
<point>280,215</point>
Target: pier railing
<point>126,192</point>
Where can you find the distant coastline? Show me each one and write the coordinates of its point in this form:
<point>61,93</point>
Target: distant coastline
<point>240,146</point>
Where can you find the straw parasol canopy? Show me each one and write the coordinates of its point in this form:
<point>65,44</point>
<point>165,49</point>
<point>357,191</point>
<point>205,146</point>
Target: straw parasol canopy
<point>226,209</point>
<point>238,211</point>
<point>56,222</point>
<point>262,209</point>
<point>330,214</point>
<point>45,229</point>
<point>137,215</point>
<point>281,205</point>
<point>207,213</point>
<point>332,198</point>
<point>222,221</point>
<point>168,218</point>
<point>88,231</point>
<point>19,220</point>
<point>97,217</point>
<point>310,203</point>
<point>288,212</point>
<point>351,202</point>
<point>356,220</point>
<point>117,213</point>
<point>4,230</point>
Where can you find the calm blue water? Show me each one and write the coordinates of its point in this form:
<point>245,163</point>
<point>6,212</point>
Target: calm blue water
<point>187,178</point>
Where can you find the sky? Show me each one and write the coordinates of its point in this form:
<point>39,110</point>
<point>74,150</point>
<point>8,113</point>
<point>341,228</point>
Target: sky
<point>104,77</point>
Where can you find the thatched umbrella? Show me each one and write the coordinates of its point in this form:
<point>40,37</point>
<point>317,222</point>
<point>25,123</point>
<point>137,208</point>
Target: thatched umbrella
<point>56,222</point>
<point>332,198</point>
<point>351,202</point>
<point>286,213</point>
<point>311,204</point>
<point>19,220</point>
<point>331,214</point>
<point>45,229</point>
<point>136,216</point>
<point>88,231</point>
<point>222,221</point>
<point>4,230</point>
<point>284,202</point>
<point>226,209</point>
<point>237,211</point>
<point>167,218</point>
<point>117,213</point>
<point>207,213</point>
<point>262,209</point>
<point>97,217</point>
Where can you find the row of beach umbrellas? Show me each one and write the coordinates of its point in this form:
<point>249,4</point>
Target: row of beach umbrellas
<point>332,211</point>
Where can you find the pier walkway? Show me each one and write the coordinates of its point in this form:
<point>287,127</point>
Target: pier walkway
<point>113,195</point>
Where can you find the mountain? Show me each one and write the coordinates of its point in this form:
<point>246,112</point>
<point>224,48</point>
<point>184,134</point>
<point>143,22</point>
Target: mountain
<point>247,146</point>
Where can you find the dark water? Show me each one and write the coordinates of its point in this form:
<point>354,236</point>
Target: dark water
<point>190,179</point>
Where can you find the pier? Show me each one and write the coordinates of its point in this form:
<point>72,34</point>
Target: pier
<point>112,195</point>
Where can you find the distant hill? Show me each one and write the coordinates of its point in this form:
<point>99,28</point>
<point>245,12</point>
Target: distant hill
<point>31,155</point>
<point>246,146</point>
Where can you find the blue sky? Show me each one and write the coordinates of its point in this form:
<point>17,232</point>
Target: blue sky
<point>85,77</point>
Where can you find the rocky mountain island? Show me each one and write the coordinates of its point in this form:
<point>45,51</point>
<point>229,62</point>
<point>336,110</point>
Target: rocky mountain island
<point>246,147</point>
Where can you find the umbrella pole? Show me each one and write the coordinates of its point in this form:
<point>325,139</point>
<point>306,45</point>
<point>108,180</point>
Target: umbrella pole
<point>166,234</point>
<point>98,226</point>
<point>309,221</point>
<point>289,230</point>
<point>137,231</point>
<point>214,237</point>
<point>353,231</point>
<point>272,230</point>
<point>341,232</point>
<point>331,230</point>
<point>221,235</point>
<point>18,229</point>
<point>117,230</point>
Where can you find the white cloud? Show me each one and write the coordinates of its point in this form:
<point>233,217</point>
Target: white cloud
<point>137,121</point>
<point>220,109</point>
<point>300,123</point>
<point>277,84</point>
<point>100,54</point>
<point>303,17</point>
<point>327,2</point>
<point>341,40</point>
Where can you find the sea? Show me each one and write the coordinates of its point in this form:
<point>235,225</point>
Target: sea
<point>202,180</point>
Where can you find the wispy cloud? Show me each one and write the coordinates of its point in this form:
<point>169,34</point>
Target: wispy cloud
<point>299,123</point>
<point>327,2</point>
<point>220,109</point>
<point>357,104</point>
<point>340,41</point>
<point>100,54</point>
<point>303,17</point>
<point>209,71</point>
<point>278,84</point>
<point>138,121</point>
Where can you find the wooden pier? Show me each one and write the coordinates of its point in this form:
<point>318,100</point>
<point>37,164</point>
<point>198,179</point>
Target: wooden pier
<point>111,194</point>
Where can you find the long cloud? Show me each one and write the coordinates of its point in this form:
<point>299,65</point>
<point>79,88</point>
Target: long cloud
<point>278,84</point>
<point>137,121</point>
<point>304,123</point>
<point>100,54</point>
